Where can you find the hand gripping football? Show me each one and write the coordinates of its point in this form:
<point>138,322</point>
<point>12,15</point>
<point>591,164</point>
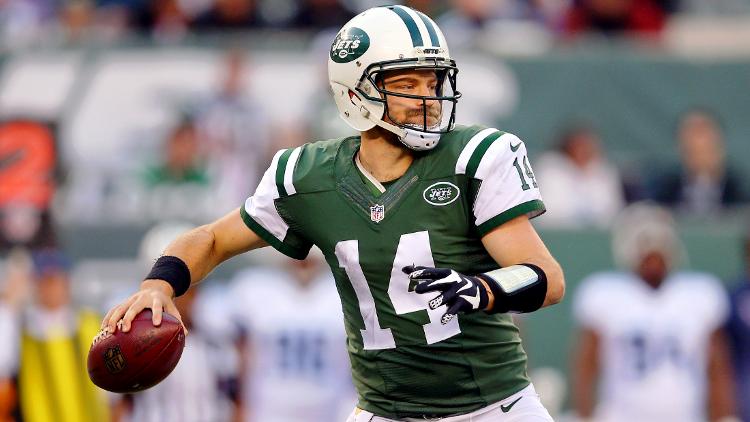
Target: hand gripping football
<point>139,359</point>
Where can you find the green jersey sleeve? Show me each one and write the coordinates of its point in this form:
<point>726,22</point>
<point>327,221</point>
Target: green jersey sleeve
<point>262,214</point>
<point>507,187</point>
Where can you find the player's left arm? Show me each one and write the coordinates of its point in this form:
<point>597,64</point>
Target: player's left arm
<point>517,242</point>
<point>529,279</point>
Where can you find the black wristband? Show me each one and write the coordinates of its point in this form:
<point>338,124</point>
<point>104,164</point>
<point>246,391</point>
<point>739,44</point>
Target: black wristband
<point>527,299</point>
<point>174,271</point>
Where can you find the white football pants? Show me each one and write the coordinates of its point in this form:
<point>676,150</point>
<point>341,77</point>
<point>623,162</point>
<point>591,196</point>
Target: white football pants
<point>524,406</point>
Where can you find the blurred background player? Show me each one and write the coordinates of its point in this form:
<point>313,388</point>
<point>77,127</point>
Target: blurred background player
<point>738,328</point>
<point>197,390</point>
<point>203,385</point>
<point>293,344</point>
<point>651,337</point>
<point>52,345</point>
<point>182,161</point>
<point>179,185</point>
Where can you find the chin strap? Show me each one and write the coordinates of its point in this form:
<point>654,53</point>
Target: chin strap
<point>420,141</point>
<point>412,139</point>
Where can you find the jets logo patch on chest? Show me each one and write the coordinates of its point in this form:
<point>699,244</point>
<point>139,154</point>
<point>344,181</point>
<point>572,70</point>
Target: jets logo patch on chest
<point>441,193</point>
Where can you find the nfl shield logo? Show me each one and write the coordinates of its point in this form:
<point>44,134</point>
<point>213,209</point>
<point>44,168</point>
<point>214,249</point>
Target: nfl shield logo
<point>377,213</point>
<point>114,360</point>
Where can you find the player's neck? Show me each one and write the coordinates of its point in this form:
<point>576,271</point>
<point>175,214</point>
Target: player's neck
<point>653,280</point>
<point>383,156</point>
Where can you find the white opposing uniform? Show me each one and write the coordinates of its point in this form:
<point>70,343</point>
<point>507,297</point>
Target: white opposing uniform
<point>299,369</point>
<point>9,332</point>
<point>195,391</point>
<point>654,343</point>
<point>190,393</point>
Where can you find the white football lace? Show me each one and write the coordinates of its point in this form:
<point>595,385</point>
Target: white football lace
<point>101,335</point>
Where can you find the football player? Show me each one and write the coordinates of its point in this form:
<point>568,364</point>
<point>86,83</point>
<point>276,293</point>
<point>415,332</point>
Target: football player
<point>651,335</point>
<point>424,224</point>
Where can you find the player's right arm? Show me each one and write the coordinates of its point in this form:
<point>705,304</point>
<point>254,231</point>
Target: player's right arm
<point>721,406</point>
<point>586,373</point>
<point>201,249</point>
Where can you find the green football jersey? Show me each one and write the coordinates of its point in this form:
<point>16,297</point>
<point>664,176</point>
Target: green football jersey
<point>405,363</point>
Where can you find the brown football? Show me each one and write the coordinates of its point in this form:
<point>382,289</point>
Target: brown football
<point>139,359</point>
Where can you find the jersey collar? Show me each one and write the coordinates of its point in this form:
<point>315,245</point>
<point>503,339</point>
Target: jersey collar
<point>359,194</point>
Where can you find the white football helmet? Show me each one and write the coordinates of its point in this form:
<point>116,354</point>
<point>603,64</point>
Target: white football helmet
<point>642,228</point>
<point>391,38</point>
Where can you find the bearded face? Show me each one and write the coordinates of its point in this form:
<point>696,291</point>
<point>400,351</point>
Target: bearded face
<point>415,112</point>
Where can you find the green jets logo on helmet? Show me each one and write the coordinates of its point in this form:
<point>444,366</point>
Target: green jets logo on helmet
<point>349,45</point>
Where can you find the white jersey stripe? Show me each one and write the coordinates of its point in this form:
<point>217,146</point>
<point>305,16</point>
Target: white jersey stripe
<point>266,193</point>
<point>465,156</point>
<point>289,171</point>
<point>489,157</point>
<point>272,171</point>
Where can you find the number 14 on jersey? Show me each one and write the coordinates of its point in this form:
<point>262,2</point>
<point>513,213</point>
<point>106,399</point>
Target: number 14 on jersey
<point>413,249</point>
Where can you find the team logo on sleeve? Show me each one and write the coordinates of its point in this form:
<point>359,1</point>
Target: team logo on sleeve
<point>441,193</point>
<point>377,213</point>
<point>349,45</point>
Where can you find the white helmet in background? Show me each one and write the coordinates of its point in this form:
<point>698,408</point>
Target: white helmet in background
<point>158,237</point>
<point>391,38</point>
<point>644,228</point>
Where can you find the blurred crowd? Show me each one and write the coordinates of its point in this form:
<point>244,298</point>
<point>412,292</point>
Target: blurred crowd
<point>208,153</point>
<point>73,21</point>
<point>702,184</point>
